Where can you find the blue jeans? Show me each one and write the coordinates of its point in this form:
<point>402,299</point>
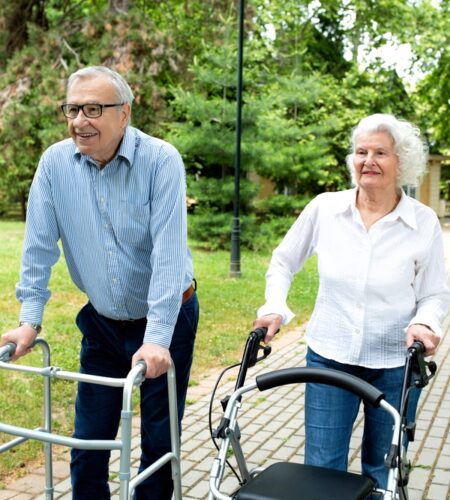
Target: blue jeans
<point>330,413</point>
<point>106,349</point>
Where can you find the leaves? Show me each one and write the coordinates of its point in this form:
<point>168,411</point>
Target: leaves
<point>303,88</point>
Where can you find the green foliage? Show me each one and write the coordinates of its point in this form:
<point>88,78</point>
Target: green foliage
<point>303,89</point>
<point>278,205</point>
<point>218,194</point>
<point>431,43</point>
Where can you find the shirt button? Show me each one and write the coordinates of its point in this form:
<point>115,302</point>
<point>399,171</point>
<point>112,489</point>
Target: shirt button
<point>357,331</point>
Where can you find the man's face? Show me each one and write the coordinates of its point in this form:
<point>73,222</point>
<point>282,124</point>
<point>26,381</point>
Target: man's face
<point>97,137</point>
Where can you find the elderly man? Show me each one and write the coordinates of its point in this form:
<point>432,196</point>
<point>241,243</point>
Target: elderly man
<point>115,197</point>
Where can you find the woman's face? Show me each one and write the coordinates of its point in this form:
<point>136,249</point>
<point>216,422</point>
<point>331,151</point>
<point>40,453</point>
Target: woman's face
<point>375,161</point>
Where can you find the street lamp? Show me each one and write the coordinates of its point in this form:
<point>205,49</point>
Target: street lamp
<point>235,261</point>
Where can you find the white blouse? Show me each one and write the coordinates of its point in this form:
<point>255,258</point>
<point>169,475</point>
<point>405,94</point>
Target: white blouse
<point>373,283</point>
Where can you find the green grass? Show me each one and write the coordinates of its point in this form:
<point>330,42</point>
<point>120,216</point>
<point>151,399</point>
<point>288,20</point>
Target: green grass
<point>227,309</point>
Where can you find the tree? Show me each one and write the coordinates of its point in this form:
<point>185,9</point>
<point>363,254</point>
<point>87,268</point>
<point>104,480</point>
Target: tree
<point>303,87</point>
<point>16,17</point>
<point>432,96</point>
<point>33,82</point>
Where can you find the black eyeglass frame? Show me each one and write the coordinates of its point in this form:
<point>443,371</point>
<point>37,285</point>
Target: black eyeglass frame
<point>81,106</point>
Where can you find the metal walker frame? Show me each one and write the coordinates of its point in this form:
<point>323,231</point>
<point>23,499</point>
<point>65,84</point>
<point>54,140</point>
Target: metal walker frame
<point>417,374</point>
<point>134,378</point>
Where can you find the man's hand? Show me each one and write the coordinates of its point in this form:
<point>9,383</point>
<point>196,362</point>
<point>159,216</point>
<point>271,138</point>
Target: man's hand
<point>23,337</point>
<point>272,322</point>
<point>157,359</point>
<point>423,334</point>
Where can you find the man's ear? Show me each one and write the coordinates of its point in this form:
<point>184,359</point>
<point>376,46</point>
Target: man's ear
<point>126,111</point>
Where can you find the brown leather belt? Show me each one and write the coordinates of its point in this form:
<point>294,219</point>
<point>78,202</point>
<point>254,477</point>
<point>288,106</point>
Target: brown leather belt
<point>188,294</point>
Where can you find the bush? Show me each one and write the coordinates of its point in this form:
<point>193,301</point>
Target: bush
<point>282,205</point>
<point>218,194</point>
<point>212,230</point>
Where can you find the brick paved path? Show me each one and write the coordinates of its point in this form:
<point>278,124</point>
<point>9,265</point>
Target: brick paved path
<point>272,429</point>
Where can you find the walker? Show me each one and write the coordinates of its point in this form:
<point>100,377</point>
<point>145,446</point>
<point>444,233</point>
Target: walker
<point>134,378</point>
<point>296,481</point>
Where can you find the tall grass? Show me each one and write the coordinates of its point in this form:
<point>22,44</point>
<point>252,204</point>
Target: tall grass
<point>227,306</point>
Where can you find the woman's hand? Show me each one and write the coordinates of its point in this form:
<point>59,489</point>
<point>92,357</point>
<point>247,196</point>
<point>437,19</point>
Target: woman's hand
<point>272,322</point>
<point>425,335</point>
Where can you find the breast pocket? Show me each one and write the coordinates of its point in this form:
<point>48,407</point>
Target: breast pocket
<point>133,224</point>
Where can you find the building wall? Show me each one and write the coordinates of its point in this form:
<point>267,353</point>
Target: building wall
<point>429,189</point>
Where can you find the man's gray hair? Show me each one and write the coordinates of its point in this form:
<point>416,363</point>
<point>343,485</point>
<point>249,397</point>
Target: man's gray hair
<point>123,90</point>
<point>411,149</point>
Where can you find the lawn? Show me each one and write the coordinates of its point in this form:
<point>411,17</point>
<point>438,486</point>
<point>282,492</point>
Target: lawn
<point>227,305</point>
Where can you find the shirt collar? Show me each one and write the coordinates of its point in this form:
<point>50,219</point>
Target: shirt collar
<point>127,148</point>
<point>345,202</point>
<point>404,210</point>
<point>128,145</point>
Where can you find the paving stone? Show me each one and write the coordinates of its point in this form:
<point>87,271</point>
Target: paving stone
<point>426,458</point>
<point>9,494</point>
<point>415,494</point>
<point>437,492</point>
<point>441,477</point>
<point>443,462</point>
<point>191,478</point>
<point>200,490</point>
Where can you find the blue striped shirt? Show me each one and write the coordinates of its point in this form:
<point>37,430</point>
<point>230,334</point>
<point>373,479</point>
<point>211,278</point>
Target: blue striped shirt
<point>123,232</point>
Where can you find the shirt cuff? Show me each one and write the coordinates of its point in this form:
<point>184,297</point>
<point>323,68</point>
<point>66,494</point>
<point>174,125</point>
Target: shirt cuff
<point>32,312</point>
<point>433,325</point>
<point>158,333</point>
<point>282,310</point>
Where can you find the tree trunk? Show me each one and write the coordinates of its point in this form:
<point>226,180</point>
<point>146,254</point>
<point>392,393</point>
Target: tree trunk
<point>19,14</point>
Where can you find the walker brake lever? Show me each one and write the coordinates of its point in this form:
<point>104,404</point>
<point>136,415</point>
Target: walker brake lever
<point>419,366</point>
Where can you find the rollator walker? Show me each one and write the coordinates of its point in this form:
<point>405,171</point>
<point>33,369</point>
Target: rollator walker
<point>134,378</point>
<point>296,481</point>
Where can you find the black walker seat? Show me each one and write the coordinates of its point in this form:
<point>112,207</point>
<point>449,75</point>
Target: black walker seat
<point>307,482</point>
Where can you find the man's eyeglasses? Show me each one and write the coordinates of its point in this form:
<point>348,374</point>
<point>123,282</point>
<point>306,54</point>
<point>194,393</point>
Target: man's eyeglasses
<point>90,110</point>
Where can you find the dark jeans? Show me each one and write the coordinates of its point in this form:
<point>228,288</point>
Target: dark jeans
<point>106,349</point>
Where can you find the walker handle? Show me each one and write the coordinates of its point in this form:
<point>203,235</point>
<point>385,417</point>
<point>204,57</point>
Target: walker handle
<point>141,376</point>
<point>7,351</point>
<point>322,376</point>
<point>417,346</point>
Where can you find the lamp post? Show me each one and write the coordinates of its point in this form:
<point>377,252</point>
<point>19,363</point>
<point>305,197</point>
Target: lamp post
<point>235,261</point>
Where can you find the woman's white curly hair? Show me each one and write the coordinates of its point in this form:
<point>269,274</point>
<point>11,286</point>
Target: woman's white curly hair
<point>411,149</point>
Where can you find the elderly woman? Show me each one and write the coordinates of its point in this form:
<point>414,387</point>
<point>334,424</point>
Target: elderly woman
<point>382,286</point>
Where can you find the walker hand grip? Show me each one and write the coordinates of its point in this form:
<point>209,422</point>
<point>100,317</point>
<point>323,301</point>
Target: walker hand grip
<point>143,366</point>
<point>7,351</point>
<point>417,346</point>
<point>321,376</point>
